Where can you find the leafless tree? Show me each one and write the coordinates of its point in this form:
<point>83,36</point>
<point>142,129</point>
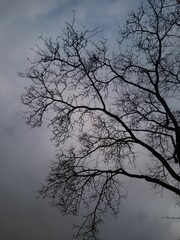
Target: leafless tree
<point>106,107</point>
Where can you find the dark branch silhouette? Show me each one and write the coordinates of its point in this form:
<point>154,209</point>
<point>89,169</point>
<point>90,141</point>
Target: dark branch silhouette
<point>105,107</point>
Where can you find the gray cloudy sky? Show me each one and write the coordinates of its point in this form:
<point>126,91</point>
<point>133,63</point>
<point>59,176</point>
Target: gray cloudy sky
<point>25,154</point>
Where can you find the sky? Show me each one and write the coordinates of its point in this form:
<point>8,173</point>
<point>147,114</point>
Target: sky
<point>25,154</point>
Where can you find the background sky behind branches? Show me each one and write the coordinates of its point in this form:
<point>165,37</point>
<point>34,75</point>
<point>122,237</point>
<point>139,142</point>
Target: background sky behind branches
<point>25,154</point>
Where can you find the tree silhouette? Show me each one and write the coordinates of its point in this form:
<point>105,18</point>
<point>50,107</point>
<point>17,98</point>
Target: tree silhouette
<point>112,113</point>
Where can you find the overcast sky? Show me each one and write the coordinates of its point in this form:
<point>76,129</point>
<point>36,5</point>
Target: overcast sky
<point>25,154</point>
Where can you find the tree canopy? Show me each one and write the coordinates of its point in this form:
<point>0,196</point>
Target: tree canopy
<point>107,107</point>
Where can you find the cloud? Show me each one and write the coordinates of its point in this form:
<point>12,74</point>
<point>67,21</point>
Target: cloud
<point>12,11</point>
<point>141,215</point>
<point>25,154</point>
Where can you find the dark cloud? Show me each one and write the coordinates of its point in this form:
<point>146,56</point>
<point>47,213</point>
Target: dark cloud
<point>25,154</point>
<point>141,216</point>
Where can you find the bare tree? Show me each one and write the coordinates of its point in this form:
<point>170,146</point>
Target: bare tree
<point>106,107</point>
